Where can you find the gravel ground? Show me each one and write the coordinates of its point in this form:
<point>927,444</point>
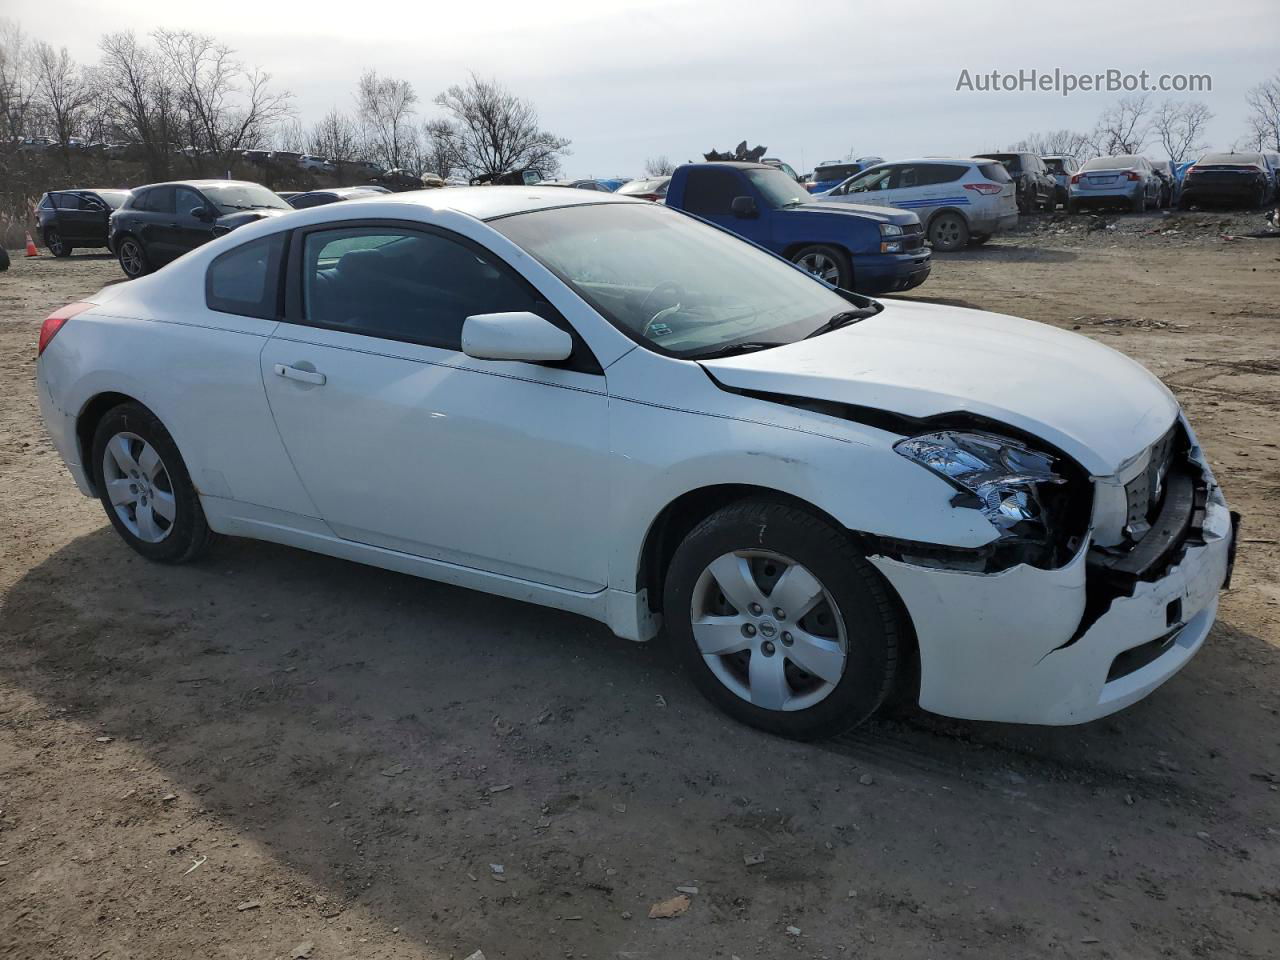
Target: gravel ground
<point>276,754</point>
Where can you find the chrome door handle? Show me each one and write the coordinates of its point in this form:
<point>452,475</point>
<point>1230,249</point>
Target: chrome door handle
<point>297,373</point>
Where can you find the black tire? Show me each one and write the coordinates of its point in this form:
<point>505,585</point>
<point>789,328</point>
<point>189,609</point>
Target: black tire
<point>840,259</point>
<point>873,626</point>
<point>978,239</point>
<point>55,244</point>
<point>132,256</point>
<point>1139,202</point>
<point>948,232</point>
<point>1023,200</point>
<point>1073,205</point>
<point>188,534</point>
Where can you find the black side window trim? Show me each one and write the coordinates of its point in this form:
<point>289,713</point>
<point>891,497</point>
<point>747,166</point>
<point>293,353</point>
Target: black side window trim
<point>582,360</point>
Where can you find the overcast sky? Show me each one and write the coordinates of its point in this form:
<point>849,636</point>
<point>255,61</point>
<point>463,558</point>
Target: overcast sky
<point>811,81</point>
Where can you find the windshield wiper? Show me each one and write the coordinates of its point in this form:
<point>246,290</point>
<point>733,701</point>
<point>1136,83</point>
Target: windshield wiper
<point>844,317</point>
<point>733,349</point>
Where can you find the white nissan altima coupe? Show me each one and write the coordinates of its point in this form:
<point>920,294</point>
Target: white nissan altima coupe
<point>606,406</point>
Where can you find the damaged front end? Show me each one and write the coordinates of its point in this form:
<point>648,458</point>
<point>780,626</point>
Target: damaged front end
<point>1095,592</point>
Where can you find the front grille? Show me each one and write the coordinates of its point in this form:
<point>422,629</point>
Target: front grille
<point>912,236</point>
<point>1145,492</point>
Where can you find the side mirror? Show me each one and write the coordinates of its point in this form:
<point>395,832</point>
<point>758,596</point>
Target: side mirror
<point>514,336</point>
<point>201,213</point>
<point>744,207</point>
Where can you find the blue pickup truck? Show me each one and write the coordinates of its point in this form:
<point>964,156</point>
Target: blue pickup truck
<point>861,248</point>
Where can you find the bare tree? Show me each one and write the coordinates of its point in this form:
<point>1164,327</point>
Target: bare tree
<point>17,86</point>
<point>1264,114</point>
<point>62,93</point>
<point>659,166</point>
<point>336,136</point>
<point>141,97</point>
<point>1124,127</point>
<point>1071,143</point>
<point>439,148</point>
<point>1179,126</point>
<point>385,108</point>
<point>222,105</point>
<point>497,132</point>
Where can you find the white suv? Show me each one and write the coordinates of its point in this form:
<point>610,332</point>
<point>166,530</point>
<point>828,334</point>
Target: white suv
<point>958,201</point>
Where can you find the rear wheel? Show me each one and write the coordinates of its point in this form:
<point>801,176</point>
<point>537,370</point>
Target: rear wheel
<point>948,231</point>
<point>56,244</point>
<point>781,621</point>
<point>828,263</point>
<point>1139,203</point>
<point>1073,205</point>
<point>145,488</point>
<point>132,257</point>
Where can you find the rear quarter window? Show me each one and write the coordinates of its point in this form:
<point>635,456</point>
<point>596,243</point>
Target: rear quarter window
<point>995,172</point>
<point>246,280</point>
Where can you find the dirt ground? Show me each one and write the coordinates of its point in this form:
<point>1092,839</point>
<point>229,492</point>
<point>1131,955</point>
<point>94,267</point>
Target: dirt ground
<point>271,754</point>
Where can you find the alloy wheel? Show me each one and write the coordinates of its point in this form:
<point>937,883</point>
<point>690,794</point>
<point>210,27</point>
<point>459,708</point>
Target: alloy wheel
<point>769,630</point>
<point>53,240</point>
<point>820,265</point>
<point>139,488</point>
<point>946,232</point>
<point>131,257</point>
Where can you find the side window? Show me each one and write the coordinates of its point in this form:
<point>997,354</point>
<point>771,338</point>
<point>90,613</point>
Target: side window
<point>710,191</point>
<point>403,284</point>
<point>65,201</point>
<point>931,173</point>
<point>88,203</point>
<point>246,280</point>
<point>158,200</point>
<point>46,202</point>
<point>307,200</point>
<point>186,200</point>
<point>873,181</point>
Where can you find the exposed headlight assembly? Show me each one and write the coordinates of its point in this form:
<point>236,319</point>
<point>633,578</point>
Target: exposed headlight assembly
<point>890,230</point>
<point>1004,477</point>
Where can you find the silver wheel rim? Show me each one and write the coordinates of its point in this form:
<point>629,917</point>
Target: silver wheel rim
<point>946,232</point>
<point>131,258</point>
<point>54,240</point>
<point>769,630</point>
<point>137,483</point>
<point>820,265</point>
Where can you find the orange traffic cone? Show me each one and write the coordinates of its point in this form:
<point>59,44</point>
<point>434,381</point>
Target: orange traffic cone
<point>31,246</point>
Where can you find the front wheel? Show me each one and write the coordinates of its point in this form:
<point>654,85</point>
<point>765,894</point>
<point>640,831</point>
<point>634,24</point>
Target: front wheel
<point>781,621</point>
<point>145,488</point>
<point>826,263</point>
<point>56,244</point>
<point>133,258</point>
<point>948,232</point>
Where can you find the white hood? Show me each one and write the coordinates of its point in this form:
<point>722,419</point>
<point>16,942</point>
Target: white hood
<point>920,360</point>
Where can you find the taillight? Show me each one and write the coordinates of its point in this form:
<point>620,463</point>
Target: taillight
<point>1075,177</point>
<point>987,188</point>
<point>1132,175</point>
<point>53,323</point>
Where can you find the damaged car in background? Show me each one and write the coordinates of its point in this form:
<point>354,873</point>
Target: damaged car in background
<point>605,406</point>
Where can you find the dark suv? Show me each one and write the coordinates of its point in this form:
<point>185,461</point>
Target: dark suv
<point>1036,185</point>
<point>66,219</point>
<point>161,222</point>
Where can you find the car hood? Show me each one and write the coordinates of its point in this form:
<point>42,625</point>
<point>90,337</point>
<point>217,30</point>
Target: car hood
<point>921,360</point>
<point>820,208</point>
<point>239,218</point>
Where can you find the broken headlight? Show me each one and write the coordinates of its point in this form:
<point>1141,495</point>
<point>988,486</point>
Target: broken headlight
<point>1002,478</point>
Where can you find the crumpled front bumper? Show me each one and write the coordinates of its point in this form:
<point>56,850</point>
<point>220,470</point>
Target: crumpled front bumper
<point>1003,646</point>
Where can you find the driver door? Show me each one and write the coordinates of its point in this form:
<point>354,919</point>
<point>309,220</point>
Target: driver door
<point>871,187</point>
<point>403,441</point>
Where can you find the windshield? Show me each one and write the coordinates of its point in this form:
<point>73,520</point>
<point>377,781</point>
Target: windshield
<point>672,282</point>
<point>778,189</point>
<point>1111,163</point>
<point>230,197</point>
<point>1054,165</point>
<point>1231,159</point>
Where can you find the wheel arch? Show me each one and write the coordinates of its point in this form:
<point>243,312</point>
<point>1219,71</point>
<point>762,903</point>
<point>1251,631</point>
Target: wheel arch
<point>675,521</point>
<point>941,210</point>
<point>87,421</point>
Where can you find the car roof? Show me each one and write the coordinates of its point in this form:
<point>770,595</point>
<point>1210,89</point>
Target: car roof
<point>200,184</point>
<point>488,203</point>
